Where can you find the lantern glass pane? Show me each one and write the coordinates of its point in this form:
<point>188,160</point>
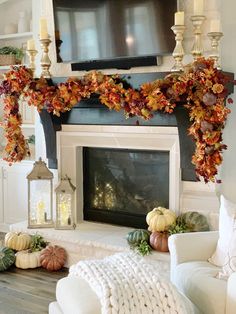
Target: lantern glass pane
<point>64,203</point>
<point>40,201</point>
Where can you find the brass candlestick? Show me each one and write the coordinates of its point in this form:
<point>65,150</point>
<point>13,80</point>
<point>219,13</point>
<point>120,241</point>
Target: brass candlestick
<point>215,38</point>
<point>178,52</point>
<point>45,61</point>
<point>32,53</point>
<point>197,49</point>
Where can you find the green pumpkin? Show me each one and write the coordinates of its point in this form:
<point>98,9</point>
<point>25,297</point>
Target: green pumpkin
<point>7,258</point>
<point>137,236</point>
<point>194,221</point>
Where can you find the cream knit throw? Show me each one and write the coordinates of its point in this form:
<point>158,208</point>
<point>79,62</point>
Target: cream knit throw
<point>126,284</point>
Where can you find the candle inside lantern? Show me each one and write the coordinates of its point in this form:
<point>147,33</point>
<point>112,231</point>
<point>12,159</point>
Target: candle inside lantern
<point>198,7</point>
<point>64,213</point>
<point>43,29</point>
<point>40,214</point>
<point>179,18</point>
<point>215,26</point>
<point>30,44</point>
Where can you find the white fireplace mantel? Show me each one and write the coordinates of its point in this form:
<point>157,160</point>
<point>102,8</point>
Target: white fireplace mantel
<point>183,195</point>
<point>73,138</point>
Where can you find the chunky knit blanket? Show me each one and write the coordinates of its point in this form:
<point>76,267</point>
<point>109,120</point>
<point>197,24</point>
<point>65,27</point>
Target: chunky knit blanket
<point>126,284</point>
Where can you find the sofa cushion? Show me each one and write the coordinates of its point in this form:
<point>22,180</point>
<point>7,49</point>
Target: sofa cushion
<point>226,227</point>
<point>229,266</point>
<point>54,308</point>
<point>197,280</point>
<point>74,295</point>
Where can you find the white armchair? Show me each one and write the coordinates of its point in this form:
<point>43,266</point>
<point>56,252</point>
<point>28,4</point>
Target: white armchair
<point>196,277</point>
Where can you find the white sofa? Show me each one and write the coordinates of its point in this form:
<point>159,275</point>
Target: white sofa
<point>74,296</point>
<point>196,277</point>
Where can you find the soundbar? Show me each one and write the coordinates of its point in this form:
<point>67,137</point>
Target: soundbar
<point>118,63</point>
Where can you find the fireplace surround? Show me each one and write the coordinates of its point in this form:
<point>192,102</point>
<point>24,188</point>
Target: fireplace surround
<point>72,138</point>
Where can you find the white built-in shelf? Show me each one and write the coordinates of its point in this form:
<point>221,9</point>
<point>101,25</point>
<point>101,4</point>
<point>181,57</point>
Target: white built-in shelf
<point>7,67</point>
<point>4,67</point>
<point>16,35</point>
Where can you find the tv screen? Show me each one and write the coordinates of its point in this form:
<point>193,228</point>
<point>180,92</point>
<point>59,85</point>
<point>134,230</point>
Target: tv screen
<point>97,30</point>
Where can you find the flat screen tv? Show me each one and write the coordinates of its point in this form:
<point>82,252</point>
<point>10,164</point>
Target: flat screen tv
<point>93,34</point>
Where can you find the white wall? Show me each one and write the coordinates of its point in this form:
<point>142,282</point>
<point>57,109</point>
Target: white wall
<point>228,169</point>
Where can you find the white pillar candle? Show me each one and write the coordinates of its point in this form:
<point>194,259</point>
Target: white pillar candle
<point>215,26</point>
<point>64,213</point>
<point>179,18</point>
<point>40,212</point>
<point>30,44</point>
<point>198,7</point>
<point>43,29</point>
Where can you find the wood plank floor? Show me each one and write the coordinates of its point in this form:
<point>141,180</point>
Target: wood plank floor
<point>27,291</point>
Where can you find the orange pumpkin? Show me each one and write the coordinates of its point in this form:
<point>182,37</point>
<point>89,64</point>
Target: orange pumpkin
<point>159,241</point>
<point>53,257</point>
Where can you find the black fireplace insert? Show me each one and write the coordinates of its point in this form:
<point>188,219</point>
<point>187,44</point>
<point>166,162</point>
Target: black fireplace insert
<point>122,185</point>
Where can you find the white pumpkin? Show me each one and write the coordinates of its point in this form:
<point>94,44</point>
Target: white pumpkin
<point>17,241</point>
<point>160,218</point>
<point>27,259</point>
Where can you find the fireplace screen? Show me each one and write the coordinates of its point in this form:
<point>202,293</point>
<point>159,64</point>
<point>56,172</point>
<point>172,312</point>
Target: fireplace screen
<point>122,185</point>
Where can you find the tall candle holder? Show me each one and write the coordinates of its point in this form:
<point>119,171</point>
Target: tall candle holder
<point>32,53</point>
<point>197,49</point>
<point>45,61</point>
<point>215,39</point>
<point>178,52</point>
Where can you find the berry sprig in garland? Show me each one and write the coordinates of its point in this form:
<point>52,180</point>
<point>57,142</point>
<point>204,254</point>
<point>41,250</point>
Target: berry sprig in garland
<point>201,88</point>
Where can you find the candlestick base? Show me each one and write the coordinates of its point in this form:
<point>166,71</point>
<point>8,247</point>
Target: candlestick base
<point>178,52</point>
<point>32,53</point>
<point>215,39</point>
<point>45,61</point>
<point>197,49</point>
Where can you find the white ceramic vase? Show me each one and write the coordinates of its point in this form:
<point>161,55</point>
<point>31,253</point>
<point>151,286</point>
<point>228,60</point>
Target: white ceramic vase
<point>23,23</point>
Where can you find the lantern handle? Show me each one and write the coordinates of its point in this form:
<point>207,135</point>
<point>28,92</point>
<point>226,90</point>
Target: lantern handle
<point>69,180</point>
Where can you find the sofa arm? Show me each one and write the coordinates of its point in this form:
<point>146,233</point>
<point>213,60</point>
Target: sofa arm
<point>231,295</point>
<point>194,246</point>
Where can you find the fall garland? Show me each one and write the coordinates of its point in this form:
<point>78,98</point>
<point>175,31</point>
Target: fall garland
<point>201,88</point>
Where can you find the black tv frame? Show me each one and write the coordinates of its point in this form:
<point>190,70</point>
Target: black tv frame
<point>117,63</point>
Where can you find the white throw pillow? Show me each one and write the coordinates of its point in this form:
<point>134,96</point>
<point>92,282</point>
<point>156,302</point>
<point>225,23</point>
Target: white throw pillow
<point>229,266</point>
<point>226,227</point>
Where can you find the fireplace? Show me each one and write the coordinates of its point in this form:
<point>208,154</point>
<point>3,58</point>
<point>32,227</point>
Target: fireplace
<point>121,172</point>
<point>122,185</point>
<point>92,125</point>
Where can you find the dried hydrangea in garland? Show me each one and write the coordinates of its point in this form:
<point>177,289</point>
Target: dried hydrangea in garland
<point>200,88</point>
